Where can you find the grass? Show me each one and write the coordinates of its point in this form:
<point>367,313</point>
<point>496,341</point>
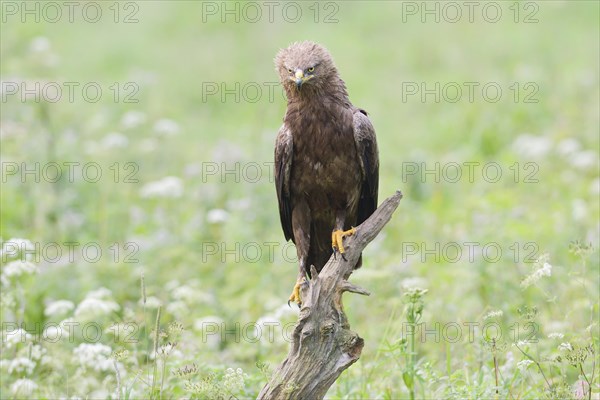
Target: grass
<point>519,323</point>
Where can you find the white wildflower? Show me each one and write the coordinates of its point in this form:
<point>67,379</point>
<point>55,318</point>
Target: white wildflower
<point>586,159</point>
<point>208,321</point>
<point>169,186</point>
<point>165,349</point>
<point>172,284</point>
<point>522,365</point>
<point>21,365</point>
<point>166,127</point>
<point>97,302</point>
<point>217,216</point>
<point>115,140</point>
<point>12,338</point>
<point>38,353</point>
<point>556,335</point>
<point>189,294</point>
<point>210,328</point>
<point>183,292</point>
<point>568,146</point>
<point>151,302</point>
<point>94,356</point>
<point>18,267</point>
<point>52,333</point>
<point>133,119</point>
<point>94,307</point>
<point>15,246</point>
<point>493,314</point>
<point>413,282</point>
<point>544,270</point>
<point>283,311</point>
<point>64,330</point>
<point>565,346</point>
<point>178,308</point>
<point>39,44</point>
<point>100,293</point>
<point>233,381</point>
<point>58,307</point>
<point>264,329</point>
<point>23,387</point>
<point>530,146</point>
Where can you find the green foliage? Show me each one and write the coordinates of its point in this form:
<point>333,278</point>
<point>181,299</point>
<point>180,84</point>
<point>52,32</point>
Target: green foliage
<point>187,299</point>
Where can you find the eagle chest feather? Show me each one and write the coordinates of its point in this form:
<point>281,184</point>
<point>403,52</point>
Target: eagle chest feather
<point>324,148</point>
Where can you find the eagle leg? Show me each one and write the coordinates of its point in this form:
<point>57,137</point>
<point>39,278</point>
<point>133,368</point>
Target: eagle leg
<point>337,240</point>
<point>295,296</point>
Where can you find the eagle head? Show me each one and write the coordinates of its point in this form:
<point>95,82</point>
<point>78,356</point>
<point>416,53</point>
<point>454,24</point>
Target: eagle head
<point>305,65</point>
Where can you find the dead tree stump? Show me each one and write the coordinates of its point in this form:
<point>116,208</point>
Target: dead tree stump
<point>323,345</point>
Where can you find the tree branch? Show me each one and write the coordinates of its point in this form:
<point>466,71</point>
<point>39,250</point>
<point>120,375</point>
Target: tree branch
<point>323,345</point>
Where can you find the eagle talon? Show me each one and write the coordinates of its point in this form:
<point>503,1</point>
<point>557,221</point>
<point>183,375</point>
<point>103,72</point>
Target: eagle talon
<point>295,296</point>
<point>337,241</point>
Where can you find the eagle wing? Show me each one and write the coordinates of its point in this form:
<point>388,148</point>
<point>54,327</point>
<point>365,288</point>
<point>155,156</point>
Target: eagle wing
<point>366,145</point>
<point>283,166</point>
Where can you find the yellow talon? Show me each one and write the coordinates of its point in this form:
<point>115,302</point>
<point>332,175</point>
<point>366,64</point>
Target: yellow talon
<point>337,239</point>
<point>295,296</point>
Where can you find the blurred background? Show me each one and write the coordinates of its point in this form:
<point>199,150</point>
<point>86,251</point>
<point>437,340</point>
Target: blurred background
<point>137,192</point>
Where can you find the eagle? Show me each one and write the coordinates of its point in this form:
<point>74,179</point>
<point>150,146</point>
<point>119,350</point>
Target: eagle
<point>326,159</point>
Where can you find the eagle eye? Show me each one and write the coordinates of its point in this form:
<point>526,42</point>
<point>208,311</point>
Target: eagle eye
<point>311,69</point>
<point>290,70</point>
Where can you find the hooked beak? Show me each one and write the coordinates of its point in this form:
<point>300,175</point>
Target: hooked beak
<point>299,78</point>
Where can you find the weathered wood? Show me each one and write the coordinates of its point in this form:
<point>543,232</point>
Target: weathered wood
<point>323,345</point>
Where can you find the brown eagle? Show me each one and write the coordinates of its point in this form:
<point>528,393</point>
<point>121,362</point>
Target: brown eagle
<point>326,159</point>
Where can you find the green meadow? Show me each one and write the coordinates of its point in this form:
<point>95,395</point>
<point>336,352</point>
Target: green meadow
<point>142,253</point>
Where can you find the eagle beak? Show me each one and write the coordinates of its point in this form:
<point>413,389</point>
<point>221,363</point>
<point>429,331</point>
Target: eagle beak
<point>299,78</point>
